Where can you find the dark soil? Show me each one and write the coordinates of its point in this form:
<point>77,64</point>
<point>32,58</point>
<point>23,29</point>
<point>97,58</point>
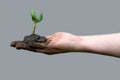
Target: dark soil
<point>34,38</point>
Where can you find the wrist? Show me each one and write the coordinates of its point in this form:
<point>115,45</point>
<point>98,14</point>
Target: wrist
<point>81,44</point>
<point>84,44</point>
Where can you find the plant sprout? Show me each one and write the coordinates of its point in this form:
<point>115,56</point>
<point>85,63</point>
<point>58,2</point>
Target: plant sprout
<point>36,20</point>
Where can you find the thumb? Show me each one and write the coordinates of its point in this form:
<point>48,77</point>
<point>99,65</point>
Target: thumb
<point>48,37</point>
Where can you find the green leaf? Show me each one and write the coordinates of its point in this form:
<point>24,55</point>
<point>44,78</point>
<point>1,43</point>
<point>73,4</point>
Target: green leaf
<point>40,17</point>
<point>36,19</point>
<point>33,15</point>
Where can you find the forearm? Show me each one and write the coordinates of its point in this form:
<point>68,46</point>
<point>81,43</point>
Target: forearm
<point>108,44</point>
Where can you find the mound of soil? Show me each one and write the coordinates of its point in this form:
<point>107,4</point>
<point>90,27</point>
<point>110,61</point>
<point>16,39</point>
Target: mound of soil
<point>34,38</point>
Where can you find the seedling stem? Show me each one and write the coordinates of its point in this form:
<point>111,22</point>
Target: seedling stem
<point>35,20</point>
<point>34,28</point>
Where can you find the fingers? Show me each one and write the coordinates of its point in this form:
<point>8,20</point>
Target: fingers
<point>13,44</point>
<point>21,45</point>
<point>37,45</point>
<point>31,46</point>
<point>18,44</point>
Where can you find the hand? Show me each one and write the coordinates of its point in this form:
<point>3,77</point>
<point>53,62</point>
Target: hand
<point>59,42</point>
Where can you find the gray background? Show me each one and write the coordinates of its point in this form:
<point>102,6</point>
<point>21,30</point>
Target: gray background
<point>80,17</point>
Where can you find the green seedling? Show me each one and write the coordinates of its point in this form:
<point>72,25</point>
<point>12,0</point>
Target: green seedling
<point>36,20</point>
<point>34,37</point>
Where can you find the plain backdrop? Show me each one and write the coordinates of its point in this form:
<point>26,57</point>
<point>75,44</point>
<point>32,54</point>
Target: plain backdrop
<point>79,17</point>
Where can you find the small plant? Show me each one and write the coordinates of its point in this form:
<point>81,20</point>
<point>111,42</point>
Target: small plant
<point>34,37</point>
<point>36,20</point>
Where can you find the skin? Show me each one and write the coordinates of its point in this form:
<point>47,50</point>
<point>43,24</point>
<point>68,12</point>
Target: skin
<point>62,42</point>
